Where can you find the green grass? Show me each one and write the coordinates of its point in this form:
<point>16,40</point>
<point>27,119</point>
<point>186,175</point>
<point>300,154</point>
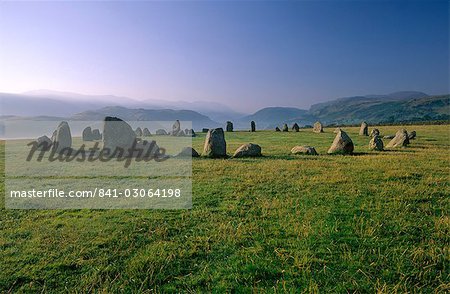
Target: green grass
<point>372,222</point>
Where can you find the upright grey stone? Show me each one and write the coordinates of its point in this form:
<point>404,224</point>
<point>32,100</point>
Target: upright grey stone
<point>342,144</point>
<point>161,132</point>
<point>364,129</point>
<point>295,127</point>
<point>374,132</point>
<point>253,126</point>
<point>376,143</point>
<point>412,135</point>
<point>87,134</point>
<point>277,129</point>
<point>215,145</point>
<point>117,134</point>
<point>63,137</point>
<point>176,128</point>
<point>229,126</point>
<point>96,135</point>
<point>138,132</point>
<point>146,132</point>
<point>44,143</point>
<point>285,128</point>
<point>318,128</point>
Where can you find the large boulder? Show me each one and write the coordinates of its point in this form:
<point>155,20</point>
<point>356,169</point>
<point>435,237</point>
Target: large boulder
<point>146,132</point>
<point>412,135</point>
<point>248,150</point>
<point>161,132</point>
<point>63,137</point>
<point>215,145</point>
<point>117,134</point>
<point>252,126</point>
<point>376,143</point>
<point>318,128</point>
<point>295,127</point>
<point>374,132</point>
<point>364,129</point>
<point>308,150</point>
<point>44,143</point>
<point>342,144</point>
<point>176,128</point>
<point>138,132</point>
<point>87,134</point>
<point>285,128</point>
<point>277,129</point>
<point>229,126</point>
<point>401,139</point>
<point>188,152</point>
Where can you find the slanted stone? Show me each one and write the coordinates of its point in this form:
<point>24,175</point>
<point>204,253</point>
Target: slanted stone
<point>63,138</point>
<point>308,150</point>
<point>375,132</point>
<point>176,128</point>
<point>161,132</point>
<point>248,150</point>
<point>376,143</point>
<point>43,143</point>
<point>412,135</point>
<point>192,133</point>
<point>252,126</point>
<point>188,152</point>
<point>118,136</point>
<point>364,129</point>
<point>229,126</point>
<point>295,127</point>
<point>138,132</point>
<point>285,128</point>
<point>87,134</point>
<point>401,139</point>
<point>277,129</point>
<point>342,144</point>
<point>146,132</point>
<point>318,128</point>
<point>215,145</point>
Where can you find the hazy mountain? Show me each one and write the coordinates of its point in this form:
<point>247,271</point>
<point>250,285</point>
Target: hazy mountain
<point>198,120</point>
<point>270,117</point>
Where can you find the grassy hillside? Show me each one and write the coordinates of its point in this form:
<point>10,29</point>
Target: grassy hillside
<point>372,222</point>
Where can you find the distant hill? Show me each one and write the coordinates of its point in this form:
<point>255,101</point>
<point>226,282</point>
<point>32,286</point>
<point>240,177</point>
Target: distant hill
<point>270,117</point>
<point>402,106</point>
<point>198,120</point>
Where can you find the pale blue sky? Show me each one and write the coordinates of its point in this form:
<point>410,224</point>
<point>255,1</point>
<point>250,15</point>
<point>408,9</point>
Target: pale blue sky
<point>244,54</point>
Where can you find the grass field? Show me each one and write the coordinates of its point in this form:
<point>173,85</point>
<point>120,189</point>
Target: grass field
<point>371,222</point>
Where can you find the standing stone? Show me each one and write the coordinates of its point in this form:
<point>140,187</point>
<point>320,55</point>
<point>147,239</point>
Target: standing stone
<point>204,130</point>
<point>277,129</point>
<point>374,132</point>
<point>285,128</point>
<point>63,137</point>
<point>337,130</point>
<point>401,139</point>
<point>248,150</point>
<point>364,129</point>
<point>376,143</point>
<point>44,143</point>
<point>96,134</point>
<point>146,132</point>
<point>117,134</point>
<point>295,127</point>
<point>215,145</point>
<point>161,132</point>
<point>308,150</point>
<point>342,144</point>
<point>318,128</point>
<point>138,132</point>
<point>229,126</point>
<point>87,134</point>
<point>54,136</point>
<point>176,128</point>
<point>192,133</point>
<point>253,126</point>
<point>412,135</point>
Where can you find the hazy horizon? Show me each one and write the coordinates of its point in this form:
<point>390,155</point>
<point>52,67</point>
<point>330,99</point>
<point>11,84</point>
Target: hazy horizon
<point>245,55</point>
